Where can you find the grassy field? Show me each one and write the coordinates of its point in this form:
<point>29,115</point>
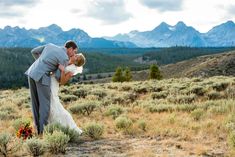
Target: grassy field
<point>171,117</point>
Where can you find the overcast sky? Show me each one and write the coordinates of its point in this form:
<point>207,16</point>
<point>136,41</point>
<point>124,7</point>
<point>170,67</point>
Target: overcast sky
<point>109,17</point>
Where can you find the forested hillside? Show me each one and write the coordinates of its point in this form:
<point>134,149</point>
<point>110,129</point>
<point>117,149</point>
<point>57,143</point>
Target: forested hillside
<point>15,61</point>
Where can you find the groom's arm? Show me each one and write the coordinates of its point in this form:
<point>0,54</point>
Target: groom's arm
<point>36,52</point>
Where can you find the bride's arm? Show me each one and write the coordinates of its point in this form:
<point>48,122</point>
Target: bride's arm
<point>64,77</point>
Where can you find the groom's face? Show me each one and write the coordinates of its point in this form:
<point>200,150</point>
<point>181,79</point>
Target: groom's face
<point>71,52</point>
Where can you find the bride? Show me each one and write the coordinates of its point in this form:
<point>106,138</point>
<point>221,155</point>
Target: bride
<point>58,114</point>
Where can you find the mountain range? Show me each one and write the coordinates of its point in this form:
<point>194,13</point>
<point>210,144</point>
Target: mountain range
<point>164,35</point>
<point>20,37</point>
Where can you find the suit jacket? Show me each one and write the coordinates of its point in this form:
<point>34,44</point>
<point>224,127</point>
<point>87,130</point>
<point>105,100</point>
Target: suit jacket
<point>48,57</point>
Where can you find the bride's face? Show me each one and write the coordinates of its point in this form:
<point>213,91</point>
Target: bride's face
<point>73,59</point>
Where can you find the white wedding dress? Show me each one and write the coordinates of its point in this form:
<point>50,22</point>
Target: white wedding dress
<point>58,114</point>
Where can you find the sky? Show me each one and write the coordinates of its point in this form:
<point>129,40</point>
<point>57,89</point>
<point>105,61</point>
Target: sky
<point>109,17</point>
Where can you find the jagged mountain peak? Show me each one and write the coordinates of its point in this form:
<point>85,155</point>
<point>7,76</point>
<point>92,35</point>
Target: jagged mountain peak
<point>180,24</point>
<point>54,27</point>
<point>180,34</point>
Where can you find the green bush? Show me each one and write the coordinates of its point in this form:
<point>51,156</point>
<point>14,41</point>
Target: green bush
<point>213,95</point>
<point>125,88</point>
<point>220,86</point>
<point>93,130</point>
<point>68,98</point>
<point>9,145</point>
<point>36,147</point>
<point>85,108</point>
<point>114,111</point>
<point>160,108</point>
<point>123,123</point>
<point>100,93</point>
<point>197,114</point>
<point>186,107</point>
<point>198,90</point>
<point>140,89</point>
<point>181,99</point>
<point>231,139</point>
<point>80,93</point>
<point>73,134</point>
<point>7,113</point>
<point>159,95</point>
<point>142,124</point>
<point>57,142</point>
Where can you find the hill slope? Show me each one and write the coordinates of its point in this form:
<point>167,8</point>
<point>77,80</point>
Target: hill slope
<point>204,66</point>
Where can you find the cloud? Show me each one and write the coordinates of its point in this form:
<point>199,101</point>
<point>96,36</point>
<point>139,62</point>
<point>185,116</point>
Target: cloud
<point>15,8</point>
<point>163,5</point>
<point>109,11</point>
<point>231,10</point>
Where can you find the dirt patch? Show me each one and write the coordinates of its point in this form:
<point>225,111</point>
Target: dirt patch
<point>146,147</point>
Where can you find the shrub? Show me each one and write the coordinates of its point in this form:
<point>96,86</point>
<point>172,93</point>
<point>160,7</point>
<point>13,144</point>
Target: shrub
<point>7,113</point>
<point>161,108</point>
<point>140,89</point>
<point>57,142</point>
<point>123,123</point>
<point>197,114</point>
<point>68,98</point>
<point>230,92</point>
<point>231,139</point>
<point>220,86</point>
<point>80,93</point>
<point>73,134</point>
<point>186,107</point>
<point>125,88</point>
<point>213,95</point>
<point>35,147</point>
<point>114,111</point>
<point>85,107</point>
<point>3,115</point>
<point>93,130</point>
<point>182,99</point>
<point>156,89</point>
<point>159,95</point>
<point>101,94</point>
<point>8,145</point>
<point>142,124</point>
<point>198,90</point>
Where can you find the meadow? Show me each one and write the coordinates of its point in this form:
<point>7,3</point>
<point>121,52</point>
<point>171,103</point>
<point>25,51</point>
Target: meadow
<point>170,117</point>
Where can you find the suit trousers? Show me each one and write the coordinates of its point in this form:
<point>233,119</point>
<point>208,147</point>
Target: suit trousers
<point>40,102</point>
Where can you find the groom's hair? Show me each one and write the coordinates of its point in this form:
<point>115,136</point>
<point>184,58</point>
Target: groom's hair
<point>70,43</point>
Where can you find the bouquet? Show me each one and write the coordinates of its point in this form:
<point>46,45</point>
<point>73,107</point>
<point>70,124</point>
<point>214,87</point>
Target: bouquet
<point>25,132</point>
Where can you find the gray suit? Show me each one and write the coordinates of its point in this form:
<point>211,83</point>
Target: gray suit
<point>48,57</point>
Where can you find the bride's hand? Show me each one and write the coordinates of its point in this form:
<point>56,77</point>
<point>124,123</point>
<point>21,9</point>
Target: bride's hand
<point>61,67</point>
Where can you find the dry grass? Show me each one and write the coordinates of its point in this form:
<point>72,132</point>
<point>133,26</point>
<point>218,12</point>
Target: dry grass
<point>174,122</point>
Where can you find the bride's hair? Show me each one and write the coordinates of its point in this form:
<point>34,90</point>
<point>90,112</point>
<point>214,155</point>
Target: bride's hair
<point>81,61</point>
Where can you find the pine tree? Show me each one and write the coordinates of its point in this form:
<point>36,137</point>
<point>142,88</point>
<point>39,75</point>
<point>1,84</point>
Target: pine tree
<point>155,72</point>
<point>118,77</point>
<point>127,74</point>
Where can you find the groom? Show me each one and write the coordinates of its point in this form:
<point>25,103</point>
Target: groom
<point>47,60</point>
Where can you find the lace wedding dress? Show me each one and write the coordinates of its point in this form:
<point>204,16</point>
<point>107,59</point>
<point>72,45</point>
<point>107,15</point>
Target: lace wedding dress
<point>58,114</point>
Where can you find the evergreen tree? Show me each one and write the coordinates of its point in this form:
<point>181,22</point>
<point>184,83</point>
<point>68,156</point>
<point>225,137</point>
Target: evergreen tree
<point>155,72</point>
<point>118,77</point>
<point>127,74</point>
